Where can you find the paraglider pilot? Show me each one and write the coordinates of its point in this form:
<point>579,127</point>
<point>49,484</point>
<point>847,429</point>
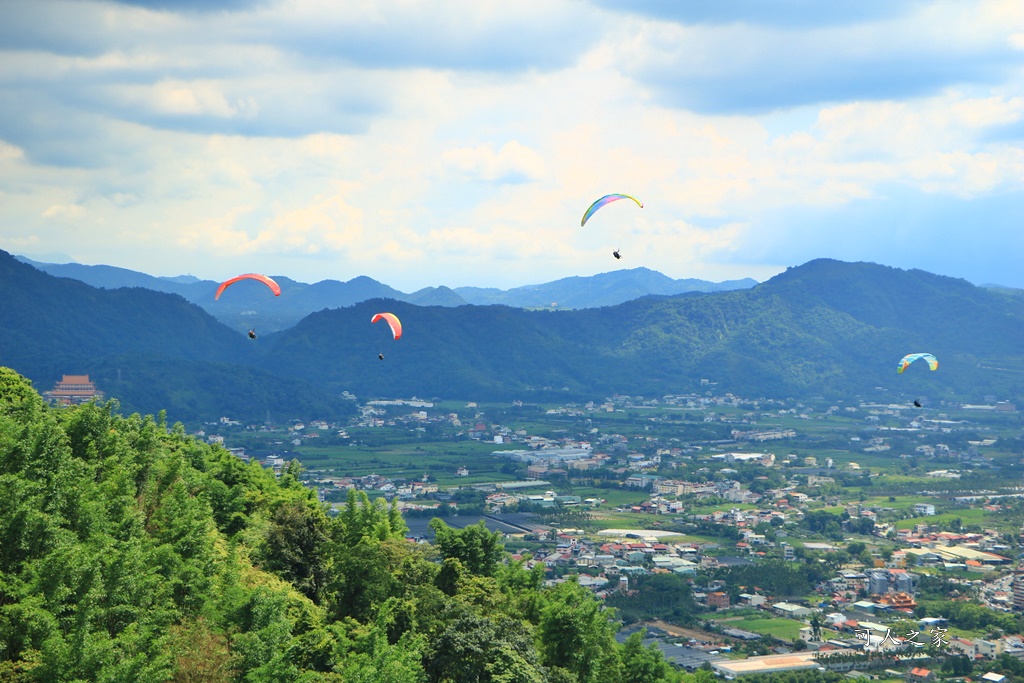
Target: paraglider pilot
<point>252,334</point>
<point>616,254</point>
<point>380,356</point>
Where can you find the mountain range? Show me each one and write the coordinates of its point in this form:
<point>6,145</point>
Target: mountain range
<point>823,328</point>
<point>246,302</point>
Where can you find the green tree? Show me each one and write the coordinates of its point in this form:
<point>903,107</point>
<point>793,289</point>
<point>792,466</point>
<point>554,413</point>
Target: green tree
<point>576,635</point>
<point>296,547</point>
<point>382,662</point>
<point>658,596</point>
<point>958,665</point>
<point>363,518</point>
<point>642,664</point>
<point>477,649</point>
<point>815,627</point>
<point>478,549</point>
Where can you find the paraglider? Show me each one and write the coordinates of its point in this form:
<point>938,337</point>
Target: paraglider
<point>393,321</point>
<point>252,334</point>
<point>616,254</point>
<point>274,287</point>
<point>932,361</point>
<point>917,403</point>
<point>607,199</point>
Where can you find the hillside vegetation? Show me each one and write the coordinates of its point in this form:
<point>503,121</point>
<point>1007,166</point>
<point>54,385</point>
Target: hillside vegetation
<point>824,328</point>
<point>132,552</point>
<point>150,350</point>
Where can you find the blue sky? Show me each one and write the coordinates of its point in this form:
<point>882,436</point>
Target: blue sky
<point>458,142</point>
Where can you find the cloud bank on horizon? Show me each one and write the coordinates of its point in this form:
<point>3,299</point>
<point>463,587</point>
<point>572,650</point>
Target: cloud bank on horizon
<point>458,142</point>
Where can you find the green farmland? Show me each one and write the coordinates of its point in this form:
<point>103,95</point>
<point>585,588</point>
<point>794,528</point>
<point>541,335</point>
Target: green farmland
<point>440,460</point>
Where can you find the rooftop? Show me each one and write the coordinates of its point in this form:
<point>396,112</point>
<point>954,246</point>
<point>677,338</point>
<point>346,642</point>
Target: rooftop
<point>766,664</point>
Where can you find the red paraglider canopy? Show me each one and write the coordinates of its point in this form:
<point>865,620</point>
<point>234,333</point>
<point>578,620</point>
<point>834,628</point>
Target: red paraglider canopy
<point>396,324</point>
<point>274,287</point>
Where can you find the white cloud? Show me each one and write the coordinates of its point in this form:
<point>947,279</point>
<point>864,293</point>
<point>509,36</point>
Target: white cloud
<point>746,68</point>
<point>512,163</point>
<point>64,211</point>
<point>202,97</point>
<point>210,142</point>
<point>10,152</point>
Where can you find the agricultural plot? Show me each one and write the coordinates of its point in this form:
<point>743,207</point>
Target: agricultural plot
<point>966,516</point>
<point>785,629</point>
<point>440,460</point>
<point>613,497</point>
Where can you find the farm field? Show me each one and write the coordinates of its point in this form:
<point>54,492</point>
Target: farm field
<point>437,459</point>
<point>965,515</point>
<point>786,629</point>
<point>623,520</point>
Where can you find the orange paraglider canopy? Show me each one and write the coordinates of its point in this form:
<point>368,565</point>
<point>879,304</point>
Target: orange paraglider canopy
<point>274,287</point>
<point>396,324</point>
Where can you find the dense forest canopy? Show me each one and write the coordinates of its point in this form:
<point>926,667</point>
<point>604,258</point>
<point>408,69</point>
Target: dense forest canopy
<point>131,552</point>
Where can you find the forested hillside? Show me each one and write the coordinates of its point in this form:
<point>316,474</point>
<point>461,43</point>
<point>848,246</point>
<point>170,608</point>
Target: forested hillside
<point>150,350</point>
<point>824,327</point>
<point>132,552</point>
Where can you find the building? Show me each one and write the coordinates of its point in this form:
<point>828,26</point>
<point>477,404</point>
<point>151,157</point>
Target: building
<point>878,582</point>
<point>752,458</point>
<point>641,481</point>
<point>72,390</point>
<point>990,648</point>
<point>753,599</point>
<point>924,509</point>
<point>792,611</point>
<point>741,634</point>
<point>905,581</point>
<point>536,471</point>
<point>898,601</point>
<point>718,599</point>
<point>548,455</point>
<point>962,646</point>
<point>731,668</point>
<point>1018,590</point>
<point>920,675</point>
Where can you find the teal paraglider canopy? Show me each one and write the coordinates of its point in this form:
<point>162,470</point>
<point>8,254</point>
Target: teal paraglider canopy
<point>905,362</point>
<point>607,199</point>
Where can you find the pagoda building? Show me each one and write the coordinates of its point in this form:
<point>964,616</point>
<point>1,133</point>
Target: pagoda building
<point>898,601</point>
<point>72,390</point>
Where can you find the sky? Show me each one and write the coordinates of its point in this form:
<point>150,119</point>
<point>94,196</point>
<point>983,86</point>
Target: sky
<point>458,142</point>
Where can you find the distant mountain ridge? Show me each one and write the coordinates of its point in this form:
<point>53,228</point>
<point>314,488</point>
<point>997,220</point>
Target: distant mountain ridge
<point>247,301</point>
<point>823,328</point>
<point>604,289</point>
